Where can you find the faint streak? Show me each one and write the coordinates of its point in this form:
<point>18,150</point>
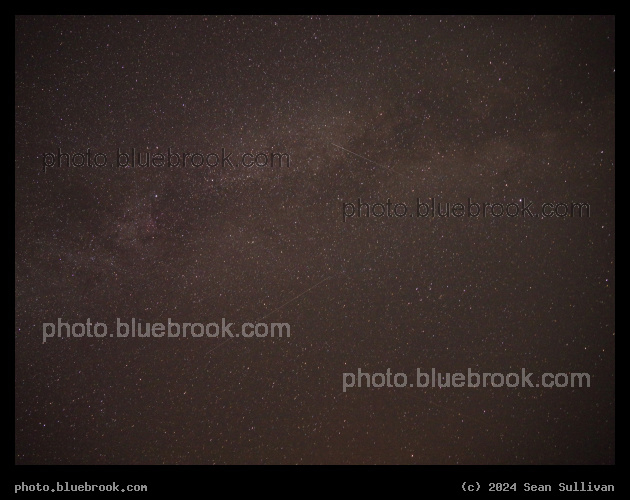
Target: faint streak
<point>270,313</point>
<point>294,298</point>
<point>372,161</point>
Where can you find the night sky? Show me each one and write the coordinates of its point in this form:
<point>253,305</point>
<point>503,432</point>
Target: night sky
<point>495,109</point>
